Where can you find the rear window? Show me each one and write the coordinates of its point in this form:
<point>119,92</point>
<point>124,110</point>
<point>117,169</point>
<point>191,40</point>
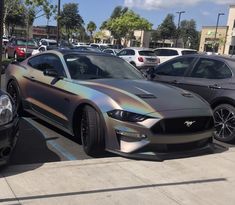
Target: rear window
<point>166,52</point>
<point>185,52</point>
<point>147,53</point>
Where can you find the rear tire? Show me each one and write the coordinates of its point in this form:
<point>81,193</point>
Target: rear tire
<point>224,116</point>
<point>92,134</point>
<point>13,90</point>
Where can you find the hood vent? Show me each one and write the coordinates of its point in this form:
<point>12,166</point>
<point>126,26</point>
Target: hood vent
<point>146,96</point>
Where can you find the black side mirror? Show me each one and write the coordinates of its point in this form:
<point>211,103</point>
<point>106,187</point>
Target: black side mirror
<point>51,73</point>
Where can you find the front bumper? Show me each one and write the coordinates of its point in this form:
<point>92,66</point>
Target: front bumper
<point>8,136</point>
<point>137,140</point>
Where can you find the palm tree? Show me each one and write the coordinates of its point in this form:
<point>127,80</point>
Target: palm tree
<point>91,27</point>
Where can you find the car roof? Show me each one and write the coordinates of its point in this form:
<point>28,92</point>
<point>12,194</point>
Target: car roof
<point>139,48</point>
<point>178,49</point>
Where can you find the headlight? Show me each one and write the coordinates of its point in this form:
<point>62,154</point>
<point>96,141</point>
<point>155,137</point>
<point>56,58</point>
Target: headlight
<point>6,111</point>
<point>126,116</point>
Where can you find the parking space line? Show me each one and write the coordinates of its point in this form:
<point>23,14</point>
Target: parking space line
<point>52,143</point>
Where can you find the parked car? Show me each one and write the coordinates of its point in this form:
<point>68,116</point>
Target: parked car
<point>167,53</point>
<point>48,42</point>
<point>108,104</point>
<point>86,48</point>
<point>141,58</point>
<point>111,51</point>
<point>100,46</point>
<point>43,48</point>
<point>9,129</point>
<point>212,77</point>
<point>19,48</point>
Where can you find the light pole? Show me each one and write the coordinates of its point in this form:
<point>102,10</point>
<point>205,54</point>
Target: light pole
<point>58,24</point>
<point>178,12</point>
<point>216,28</point>
<point>1,34</point>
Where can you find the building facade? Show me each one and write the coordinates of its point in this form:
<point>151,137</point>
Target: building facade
<point>230,42</point>
<point>211,43</point>
<point>39,32</point>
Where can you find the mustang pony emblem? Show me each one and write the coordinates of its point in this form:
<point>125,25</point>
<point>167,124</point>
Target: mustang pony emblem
<point>189,123</point>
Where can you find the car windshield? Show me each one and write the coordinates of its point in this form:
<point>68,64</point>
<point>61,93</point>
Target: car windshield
<point>97,66</point>
<point>22,42</point>
<point>147,53</point>
<point>185,52</point>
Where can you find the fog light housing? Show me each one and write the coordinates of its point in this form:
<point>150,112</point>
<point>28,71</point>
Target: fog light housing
<point>131,135</point>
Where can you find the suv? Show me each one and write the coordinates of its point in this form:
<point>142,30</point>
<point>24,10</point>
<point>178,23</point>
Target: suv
<point>141,58</point>
<point>19,48</point>
<point>168,53</point>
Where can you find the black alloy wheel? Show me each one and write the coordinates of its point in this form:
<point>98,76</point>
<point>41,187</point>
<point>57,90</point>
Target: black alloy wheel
<point>92,132</point>
<point>13,90</point>
<point>224,116</point>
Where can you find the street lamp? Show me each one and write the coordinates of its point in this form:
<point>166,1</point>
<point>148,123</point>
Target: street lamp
<point>216,28</point>
<point>58,24</point>
<point>178,12</point>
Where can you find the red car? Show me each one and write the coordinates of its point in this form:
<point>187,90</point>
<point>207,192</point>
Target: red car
<point>19,48</point>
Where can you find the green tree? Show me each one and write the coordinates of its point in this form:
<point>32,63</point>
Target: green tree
<point>125,25</point>
<point>167,29</point>
<point>91,27</point>
<point>70,18</point>
<point>189,34</point>
<point>9,8</point>
<point>118,11</point>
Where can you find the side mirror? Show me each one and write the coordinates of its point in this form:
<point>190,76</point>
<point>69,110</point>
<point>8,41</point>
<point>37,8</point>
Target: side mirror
<point>51,73</point>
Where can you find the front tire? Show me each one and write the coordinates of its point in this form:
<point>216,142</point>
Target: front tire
<point>92,134</point>
<point>224,116</point>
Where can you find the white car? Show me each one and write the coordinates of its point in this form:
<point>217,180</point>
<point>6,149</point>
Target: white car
<point>141,58</point>
<point>165,54</point>
<point>47,42</point>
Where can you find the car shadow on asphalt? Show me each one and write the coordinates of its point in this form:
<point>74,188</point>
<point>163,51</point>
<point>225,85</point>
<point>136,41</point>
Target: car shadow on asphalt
<point>31,151</point>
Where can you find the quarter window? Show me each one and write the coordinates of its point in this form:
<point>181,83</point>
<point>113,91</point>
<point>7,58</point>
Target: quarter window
<point>175,68</point>
<point>212,69</point>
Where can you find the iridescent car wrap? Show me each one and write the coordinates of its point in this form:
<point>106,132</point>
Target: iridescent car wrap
<point>132,116</point>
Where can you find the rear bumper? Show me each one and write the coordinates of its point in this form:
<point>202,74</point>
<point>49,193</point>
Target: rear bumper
<point>8,136</point>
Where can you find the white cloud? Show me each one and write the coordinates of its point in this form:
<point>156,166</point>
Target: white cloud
<point>159,4</point>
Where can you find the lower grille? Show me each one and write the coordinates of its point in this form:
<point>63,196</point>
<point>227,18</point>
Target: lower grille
<point>183,125</point>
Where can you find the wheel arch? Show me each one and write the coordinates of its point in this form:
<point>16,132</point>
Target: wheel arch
<point>222,100</point>
<point>77,114</point>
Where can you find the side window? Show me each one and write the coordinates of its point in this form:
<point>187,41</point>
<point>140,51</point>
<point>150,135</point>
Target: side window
<point>175,68</point>
<point>130,52</point>
<point>43,62</point>
<point>35,62</point>
<point>123,53</point>
<point>211,69</point>
<point>44,43</point>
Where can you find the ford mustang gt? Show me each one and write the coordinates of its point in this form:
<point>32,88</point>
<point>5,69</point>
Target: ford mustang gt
<point>107,104</point>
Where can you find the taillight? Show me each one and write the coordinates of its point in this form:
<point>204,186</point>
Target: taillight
<point>140,59</point>
<point>22,50</point>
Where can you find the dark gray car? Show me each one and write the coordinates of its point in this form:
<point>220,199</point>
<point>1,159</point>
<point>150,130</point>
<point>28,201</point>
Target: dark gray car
<point>212,77</point>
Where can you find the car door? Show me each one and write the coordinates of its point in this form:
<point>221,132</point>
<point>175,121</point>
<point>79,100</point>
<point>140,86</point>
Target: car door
<point>44,92</point>
<point>207,78</point>
<point>173,72</point>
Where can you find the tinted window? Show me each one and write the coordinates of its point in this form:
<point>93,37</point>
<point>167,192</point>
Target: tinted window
<point>48,61</point>
<point>185,52</point>
<point>147,53</point>
<point>166,52</point>
<point>95,66</point>
<point>130,52</point>
<point>122,53</point>
<point>108,51</point>
<point>175,68</point>
<point>212,69</point>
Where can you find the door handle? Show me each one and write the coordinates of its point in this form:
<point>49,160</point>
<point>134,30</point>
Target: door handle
<point>214,86</point>
<point>175,82</point>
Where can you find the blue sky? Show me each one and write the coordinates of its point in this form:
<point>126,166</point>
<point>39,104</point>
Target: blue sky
<point>204,12</point>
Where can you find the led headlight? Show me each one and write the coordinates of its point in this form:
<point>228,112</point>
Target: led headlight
<point>126,116</point>
<point>6,110</point>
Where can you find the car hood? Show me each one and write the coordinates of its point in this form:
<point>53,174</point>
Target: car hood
<point>146,96</point>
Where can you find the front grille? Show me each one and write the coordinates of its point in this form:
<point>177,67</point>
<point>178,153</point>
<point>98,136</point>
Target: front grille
<point>183,125</point>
